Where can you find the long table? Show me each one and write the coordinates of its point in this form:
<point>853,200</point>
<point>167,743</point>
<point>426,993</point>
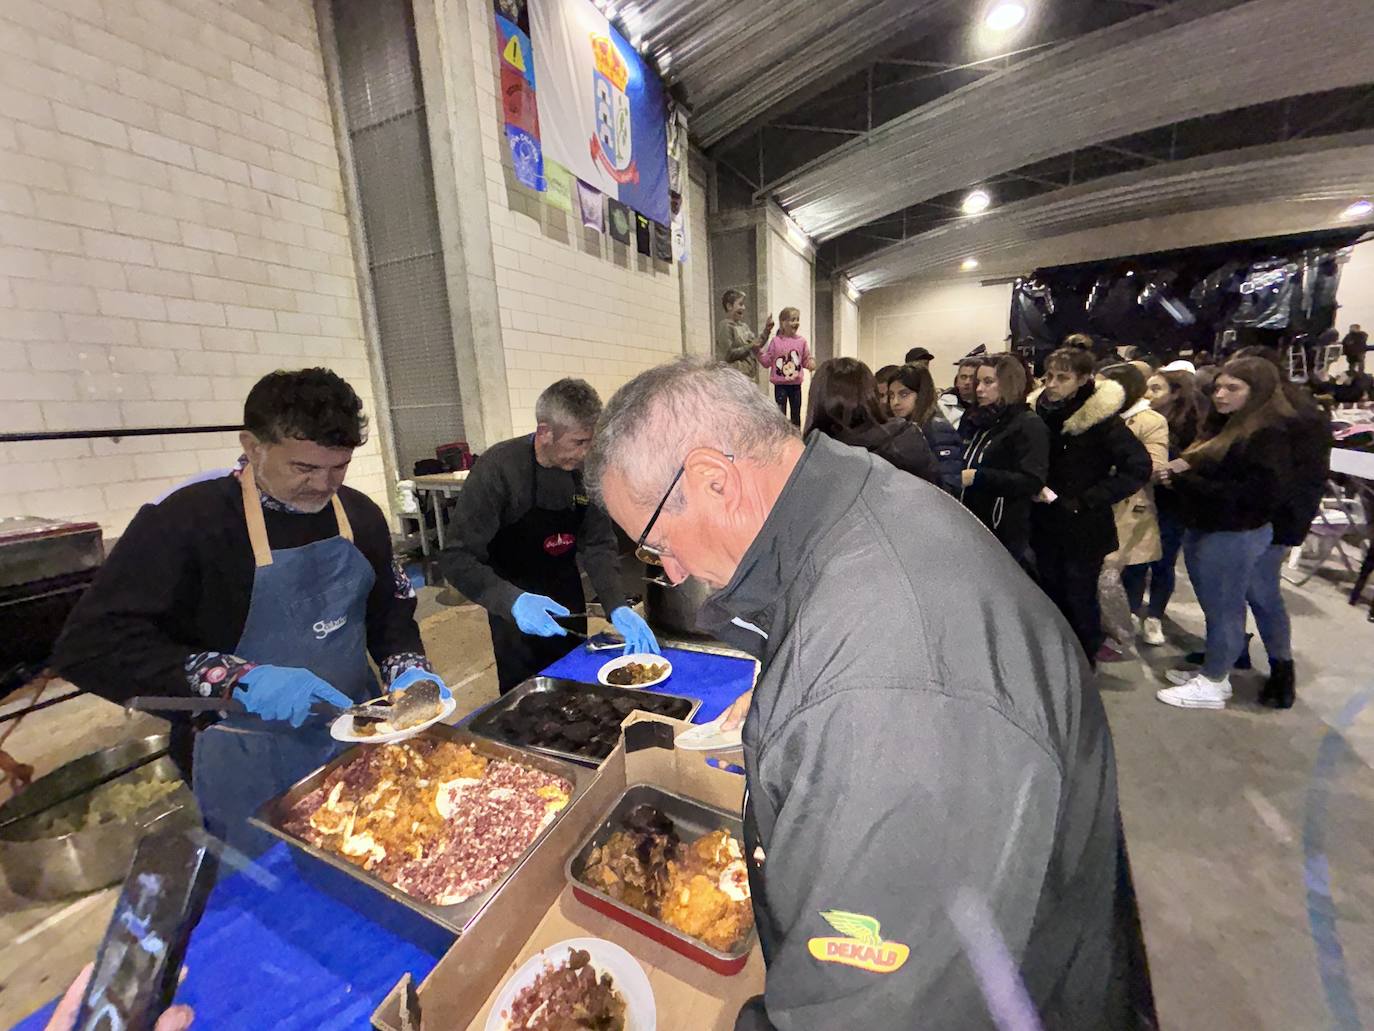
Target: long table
<point>273,951</point>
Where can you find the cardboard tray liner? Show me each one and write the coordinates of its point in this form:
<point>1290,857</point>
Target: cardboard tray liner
<point>536,907</point>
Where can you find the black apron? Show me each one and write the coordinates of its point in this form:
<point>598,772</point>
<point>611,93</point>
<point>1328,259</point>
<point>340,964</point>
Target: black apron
<point>538,554</point>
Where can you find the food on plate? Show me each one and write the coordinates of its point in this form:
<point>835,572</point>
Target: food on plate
<point>119,800</point>
<point>636,673</point>
<point>432,818</point>
<point>700,888</point>
<point>568,996</point>
<point>411,716</point>
<point>579,721</point>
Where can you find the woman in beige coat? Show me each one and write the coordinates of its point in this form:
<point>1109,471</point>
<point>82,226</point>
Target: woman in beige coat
<point>1137,526</point>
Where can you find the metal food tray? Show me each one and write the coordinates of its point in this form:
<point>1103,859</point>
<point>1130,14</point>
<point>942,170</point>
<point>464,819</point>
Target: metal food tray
<point>691,819</point>
<point>454,918</point>
<point>485,722</point>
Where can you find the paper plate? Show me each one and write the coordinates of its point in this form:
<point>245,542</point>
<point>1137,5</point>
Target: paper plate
<point>644,659</point>
<point>710,738</point>
<point>607,958</point>
<point>342,728</point>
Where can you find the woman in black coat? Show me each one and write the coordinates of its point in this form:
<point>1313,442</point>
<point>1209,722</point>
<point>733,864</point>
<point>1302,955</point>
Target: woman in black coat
<point>1007,456</point>
<point>843,404</point>
<point>1095,461</point>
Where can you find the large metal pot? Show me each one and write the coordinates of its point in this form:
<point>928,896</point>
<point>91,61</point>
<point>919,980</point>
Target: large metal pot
<point>673,609</point>
<point>98,855</point>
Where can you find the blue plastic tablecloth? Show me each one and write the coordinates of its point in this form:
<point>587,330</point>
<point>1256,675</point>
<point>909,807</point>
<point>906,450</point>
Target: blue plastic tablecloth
<point>288,956</point>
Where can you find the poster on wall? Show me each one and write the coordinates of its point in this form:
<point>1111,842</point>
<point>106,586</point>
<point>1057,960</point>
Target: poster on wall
<point>518,102</point>
<point>602,111</point>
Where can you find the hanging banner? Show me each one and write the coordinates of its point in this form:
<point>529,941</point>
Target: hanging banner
<point>602,111</point>
<point>519,107</point>
<point>592,206</point>
<point>644,235</point>
<point>620,221</point>
<point>558,191</point>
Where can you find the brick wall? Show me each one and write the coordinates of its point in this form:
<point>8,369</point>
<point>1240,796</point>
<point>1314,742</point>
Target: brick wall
<point>171,227</point>
<point>573,302</point>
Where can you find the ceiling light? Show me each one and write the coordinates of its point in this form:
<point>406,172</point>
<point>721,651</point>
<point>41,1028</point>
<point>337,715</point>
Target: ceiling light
<point>976,202</point>
<point>1359,209</point>
<point>969,264</point>
<point>1005,16</point>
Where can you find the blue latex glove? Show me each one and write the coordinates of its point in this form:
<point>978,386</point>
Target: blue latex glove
<point>416,674</point>
<point>534,615</point>
<point>639,639</point>
<point>285,693</point>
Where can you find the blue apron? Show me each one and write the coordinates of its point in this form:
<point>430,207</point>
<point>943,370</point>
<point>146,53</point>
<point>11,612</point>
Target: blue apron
<point>308,609</point>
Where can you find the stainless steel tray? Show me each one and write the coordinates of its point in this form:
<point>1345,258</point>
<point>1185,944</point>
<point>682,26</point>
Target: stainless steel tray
<point>454,918</point>
<point>486,722</point>
<point>691,820</point>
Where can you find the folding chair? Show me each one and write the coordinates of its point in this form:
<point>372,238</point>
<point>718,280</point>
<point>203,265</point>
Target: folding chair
<point>1340,516</point>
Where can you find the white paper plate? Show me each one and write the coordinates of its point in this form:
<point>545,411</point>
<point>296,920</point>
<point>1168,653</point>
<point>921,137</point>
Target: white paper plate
<point>644,659</point>
<point>710,738</point>
<point>342,728</point>
<point>607,958</point>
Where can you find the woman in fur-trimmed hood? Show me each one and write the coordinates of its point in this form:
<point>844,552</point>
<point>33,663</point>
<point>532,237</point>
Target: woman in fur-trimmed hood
<point>1095,461</point>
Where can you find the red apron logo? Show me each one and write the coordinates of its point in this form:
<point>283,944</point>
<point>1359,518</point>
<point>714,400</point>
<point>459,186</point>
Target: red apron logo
<point>559,544</point>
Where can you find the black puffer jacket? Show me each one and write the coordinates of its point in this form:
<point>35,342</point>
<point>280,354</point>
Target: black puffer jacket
<point>899,442</point>
<point>1309,445</point>
<point>1095,461</point>
<point>1011,458</point>
<point>948,448</point>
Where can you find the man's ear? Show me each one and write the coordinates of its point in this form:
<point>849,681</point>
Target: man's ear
<point>711,478</point>
<point>252,446</point>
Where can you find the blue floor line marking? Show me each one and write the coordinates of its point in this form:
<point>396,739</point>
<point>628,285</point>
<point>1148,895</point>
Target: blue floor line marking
<point>1321,906</point>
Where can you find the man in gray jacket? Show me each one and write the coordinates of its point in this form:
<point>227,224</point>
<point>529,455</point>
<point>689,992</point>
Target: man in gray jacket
<point>931,813</point>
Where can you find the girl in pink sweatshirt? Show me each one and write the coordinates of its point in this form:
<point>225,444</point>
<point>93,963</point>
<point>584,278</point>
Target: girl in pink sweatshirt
<point>785,356</point>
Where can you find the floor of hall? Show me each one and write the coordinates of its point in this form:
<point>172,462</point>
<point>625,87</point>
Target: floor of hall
<point>1251,833</point>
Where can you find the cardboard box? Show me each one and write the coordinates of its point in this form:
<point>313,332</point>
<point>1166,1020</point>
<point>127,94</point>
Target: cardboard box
<point>536,909</point>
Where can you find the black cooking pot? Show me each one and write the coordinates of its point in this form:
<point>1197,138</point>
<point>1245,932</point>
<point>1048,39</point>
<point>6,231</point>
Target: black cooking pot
<point>673,609</point>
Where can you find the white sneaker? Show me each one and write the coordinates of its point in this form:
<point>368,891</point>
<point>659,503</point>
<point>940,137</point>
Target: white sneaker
<point>1152,631</point>
<point>1187,676</point>
<point>1197,693</point>
<point>1135,623</point>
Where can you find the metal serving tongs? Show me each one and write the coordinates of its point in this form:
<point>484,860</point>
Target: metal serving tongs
<point>416,704</point>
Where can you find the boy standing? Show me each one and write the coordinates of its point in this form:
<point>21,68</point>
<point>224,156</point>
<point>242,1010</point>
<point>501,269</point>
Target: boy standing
<point>785,358</point>
<point>736,344</point>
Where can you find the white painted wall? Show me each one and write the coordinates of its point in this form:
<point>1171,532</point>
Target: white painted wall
<point>1356,292</point>
<point>171,228</point>
<point>847,325</point>
<point>947,317</point>
<point>572,301</point>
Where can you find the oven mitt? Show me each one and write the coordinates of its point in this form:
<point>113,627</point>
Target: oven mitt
<point>534,615</point>
<point>285,693</point>
<point>639,639</point>
<point>416,674</point>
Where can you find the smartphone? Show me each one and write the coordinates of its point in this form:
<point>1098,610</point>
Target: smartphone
<point>139,963</point>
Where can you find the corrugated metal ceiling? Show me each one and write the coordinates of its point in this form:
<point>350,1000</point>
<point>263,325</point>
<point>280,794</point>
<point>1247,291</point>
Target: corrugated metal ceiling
<point>1192,58</point>
<point>1332,169</point>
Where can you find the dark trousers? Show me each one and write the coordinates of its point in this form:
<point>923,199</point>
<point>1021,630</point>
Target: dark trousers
<point>520,656</point>
<point>788,394</point>
<point>1159,573</point>
<point>1070,579</point>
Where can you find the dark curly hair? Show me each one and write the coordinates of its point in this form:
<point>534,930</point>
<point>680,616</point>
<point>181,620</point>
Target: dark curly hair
<point>308,404</point>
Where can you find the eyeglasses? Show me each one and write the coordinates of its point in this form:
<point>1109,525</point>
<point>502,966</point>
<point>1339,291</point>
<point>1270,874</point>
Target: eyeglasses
<point>647,553</point>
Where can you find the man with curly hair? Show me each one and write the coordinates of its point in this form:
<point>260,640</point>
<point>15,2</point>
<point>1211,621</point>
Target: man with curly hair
<point>271,586</point>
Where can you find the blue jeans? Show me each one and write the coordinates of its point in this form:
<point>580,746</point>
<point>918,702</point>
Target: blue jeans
<point>1160,573</point>
<point>1265,598</point>
<point>1222,567</point>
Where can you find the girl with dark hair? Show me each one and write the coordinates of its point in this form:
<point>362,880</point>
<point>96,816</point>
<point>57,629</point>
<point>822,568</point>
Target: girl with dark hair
<point>911,396</point>
<point>1007,456</point>
<point>843,404</point>
<point>1230,484</point>
<point>1137,525</point>
<point>1173,396</point>
<point>1095,462</point>
<point>882,381</point>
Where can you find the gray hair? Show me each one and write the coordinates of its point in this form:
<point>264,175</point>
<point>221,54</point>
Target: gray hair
<point>568,404</point>
<point>654,420</point>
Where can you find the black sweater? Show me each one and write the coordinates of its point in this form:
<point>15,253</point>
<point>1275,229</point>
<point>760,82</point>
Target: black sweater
<point>174,593</point>
<point>1242,491</point>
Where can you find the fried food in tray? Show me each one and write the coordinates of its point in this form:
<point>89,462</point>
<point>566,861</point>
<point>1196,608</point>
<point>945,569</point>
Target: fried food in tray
<point>432,818</point>
<point>577,721</point>
<point>700,888</point>
<point>633,673</point>
<point>569,997</point>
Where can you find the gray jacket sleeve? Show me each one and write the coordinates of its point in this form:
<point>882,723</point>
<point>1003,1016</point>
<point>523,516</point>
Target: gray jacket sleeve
<point>482,508</point>
<point>891,842</point>
<point>598,553</point>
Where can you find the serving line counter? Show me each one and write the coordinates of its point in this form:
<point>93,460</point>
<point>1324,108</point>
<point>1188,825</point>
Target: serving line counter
<point>274,950</point>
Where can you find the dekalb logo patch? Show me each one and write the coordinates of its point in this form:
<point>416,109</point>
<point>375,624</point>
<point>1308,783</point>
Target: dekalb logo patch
<point>862,945</point>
